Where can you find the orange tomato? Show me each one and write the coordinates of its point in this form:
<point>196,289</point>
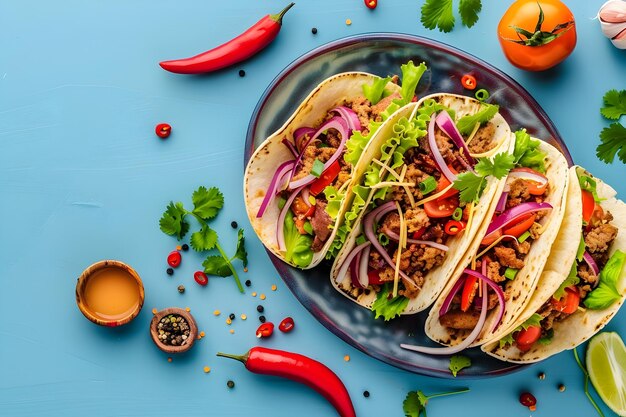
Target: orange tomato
<point>567,304</point>
<point>589,205</point>
<point>524,14</point>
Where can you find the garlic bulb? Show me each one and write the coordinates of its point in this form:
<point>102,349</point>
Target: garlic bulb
<point>612,16</point>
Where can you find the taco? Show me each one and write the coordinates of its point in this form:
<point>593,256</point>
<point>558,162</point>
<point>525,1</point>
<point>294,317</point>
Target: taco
<point>511,254</point>
<point>412,230</point>
<point>317,148</point>
<point>583,285</point>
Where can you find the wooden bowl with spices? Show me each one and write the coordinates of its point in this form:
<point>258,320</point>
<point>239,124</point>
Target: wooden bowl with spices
<point>173,330</point>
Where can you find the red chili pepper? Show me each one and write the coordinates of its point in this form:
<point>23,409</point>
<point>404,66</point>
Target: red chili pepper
<point>174,258</point>
<point>236,50</point>
<point>163,130</point>
<point>286,325</point>
<point>201,278</point>
<point>453,227</point>
<point>265,330</point>
<point>299,368</point>
<point>468,81</point>
<point>371,4</point>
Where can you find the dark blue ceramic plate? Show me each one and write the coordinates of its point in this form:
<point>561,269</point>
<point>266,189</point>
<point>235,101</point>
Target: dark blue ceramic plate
<point>382,54</point>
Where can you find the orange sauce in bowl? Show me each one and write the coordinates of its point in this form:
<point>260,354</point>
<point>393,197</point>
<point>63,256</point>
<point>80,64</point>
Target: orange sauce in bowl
<point>111,293</point>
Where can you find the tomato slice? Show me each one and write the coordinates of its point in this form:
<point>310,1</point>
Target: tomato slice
<point>589,205</point>
<point>443,183</point>
<point>325,179</point>
<point>568,304</point>
<point>468,289</point>
<point>418,234</point>
<point>441,207</point>
<point>489,240</point>
<point>521,226</point>
<point>373,277</point>
<point>534,188</point>
<point>525,338</point>
<point>299,207</point>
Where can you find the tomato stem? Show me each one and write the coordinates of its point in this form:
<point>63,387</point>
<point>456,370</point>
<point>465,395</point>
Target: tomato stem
<point>539,37</point>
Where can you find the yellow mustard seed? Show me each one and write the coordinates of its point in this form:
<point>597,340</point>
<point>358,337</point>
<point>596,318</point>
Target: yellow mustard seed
<point>232,331</point>
<point>254,294</point>
<point>346,358</point>
<point>154,311</point>
<point>179,247</point>
<point>243,317</point>
<point>207,369</point>
<point>202,334</point>
<point>187,309</point>
<point>216,313</point>
<point>262,296</point>
<point>348,22</point>
<point>228,321</point>
<point>274,287</point>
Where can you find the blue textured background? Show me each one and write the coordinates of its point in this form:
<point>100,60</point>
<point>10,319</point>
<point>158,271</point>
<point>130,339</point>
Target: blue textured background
<point>83,178</point>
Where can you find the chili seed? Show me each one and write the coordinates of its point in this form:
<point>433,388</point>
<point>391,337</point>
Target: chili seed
<point>274,287</point>
<point>366,394</point>
<point>260,308</point>
<point>314,31</point>
<point>541,376</point>
<point>527,399</point>
<point>234,224</point>
<point>207,369</point>
<point>230,384</point>
<point>262,319</point>
<point>231,316</point>
<point>561,388</point>
<point>216,313</point>
<point>248,283</point>
<point>348,22</point>
<point>242,73</point>
<point>262,296</point>
<point>181,289</point>
<point>170,271</point>
<point>346,358</point>
<point>185,247</point>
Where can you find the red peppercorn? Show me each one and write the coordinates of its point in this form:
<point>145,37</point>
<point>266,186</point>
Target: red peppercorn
<point>265,330</point>
<point>174,258</point>
<point>286,325</point>
<point>163,130</point>
<point>527,399</point>
<point>371,4</point>
<point>201,278</point>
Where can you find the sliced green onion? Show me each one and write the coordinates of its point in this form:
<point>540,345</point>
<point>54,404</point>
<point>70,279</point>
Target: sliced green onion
<point>360,240</point>
<point>312,200</point>
<point>281,202</point>
<point>318,168</point>
<point>428,185</point>
<point>308,228</point>
<point>482,94</point>
<point>511,273</point>
<point>458,213</point>
<point>383,239</point>
<point>523,237</point>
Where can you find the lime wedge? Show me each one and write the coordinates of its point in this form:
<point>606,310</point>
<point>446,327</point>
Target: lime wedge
<point>606,364</point>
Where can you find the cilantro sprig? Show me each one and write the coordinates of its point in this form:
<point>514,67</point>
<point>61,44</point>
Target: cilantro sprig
<point>414,404</point>
<point>439,14</point>
<point>472,184</point>
<point>613,137</point>
<point>614,104</point>
<point>207,203</point>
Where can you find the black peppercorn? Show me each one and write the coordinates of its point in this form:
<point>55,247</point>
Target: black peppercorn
<point>262,319</point>
<point>366,394</point>
<point>314,31</point>
<point>248,283</point>
<point>185,247</point>
<point>260,308</point>
<point>242,73</point>
<point>233,224</point>
<point>230,384</point>
<point>169,271</point>
<point>232,316</point>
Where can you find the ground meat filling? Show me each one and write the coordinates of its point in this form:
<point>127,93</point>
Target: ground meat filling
<point>483,140</point>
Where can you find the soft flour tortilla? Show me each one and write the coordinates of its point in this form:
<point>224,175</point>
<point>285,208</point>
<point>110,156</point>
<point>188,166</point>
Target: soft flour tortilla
<point>331,93</point>
<point>522,287</point>
<point>580,326</point>
<point>437,277</point>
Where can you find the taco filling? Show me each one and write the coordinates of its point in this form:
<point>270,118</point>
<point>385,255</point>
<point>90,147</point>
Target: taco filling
<point>582,288</point>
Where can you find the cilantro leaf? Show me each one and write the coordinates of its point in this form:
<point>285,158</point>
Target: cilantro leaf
<point>469,9</point>
<point>572,279</point>
<point>438,13</point>
<point>466,124</point>
<point>458,362</point>
<point>388,307</point>
<point>500,166</point>
<point>207,203</point>
<point>204,239</point>
<point>470,185</point>
<point>613,140</point>
<point>216,265</point>
<point>241,249</point>
<point>376,91</point>
<point>614,104</point>
<point>414,404</point>
<point>173,221</point>
<point>606,292</point>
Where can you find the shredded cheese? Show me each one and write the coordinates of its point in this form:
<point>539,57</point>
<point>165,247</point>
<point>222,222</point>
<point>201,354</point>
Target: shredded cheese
<point>490,152</point>
<point>406,187</point>
<point>471,136</point>
<point>392,184</point>
<point>344,186</point>
<point>434,196</point>
<point>401,245</point>
<point>386,168</point>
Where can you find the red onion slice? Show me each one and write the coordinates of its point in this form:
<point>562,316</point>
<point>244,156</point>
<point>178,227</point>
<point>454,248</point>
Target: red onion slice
<point>346,264</point>
<point>299,136</point>
<point>305,196</point>
<point>394,236</point>
<point>354,271</point>
<point>495,287</point>
<point>451,350</point>
<point>334,123</point>
<point>280,235</point>
<point>364,261</point>
<point>445,306</point>
<point>434,150</point>
<point>350,116</point>
<point>513,214</point>
<point>273,189</point>
<point>447,126</point>
<point>291,148</point>
<point>591,262</point>
<point>501,206</point>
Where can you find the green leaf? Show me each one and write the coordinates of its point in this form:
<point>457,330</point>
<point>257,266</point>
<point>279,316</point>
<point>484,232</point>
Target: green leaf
<point>527,153</point>
<point>613,268</point>
<point>470,185</point>
<point>614,104</point>
<point>204,239</point>
<point>241,249</point>
<point>469,9</point>
<point>173,222</point>
<point>317,168</point>
<point>388,307</point>
<point>376,91</point>
<point>547,339</point>
<point>532,321</point>
<point>298,247</point>
<point>411,76</point>
<point>458,362</point>
<point>414,404</point>
<point>606,292</point>
<point>207,203</point>
<point>438,14</point>
<point>572,279</point>
<point>500,166</point>
<point>613,140</point>
<point>587,183</point>
<point>580,252</point>
<point>466,124</point>
<point>216,265</point>
<point>506,340</point>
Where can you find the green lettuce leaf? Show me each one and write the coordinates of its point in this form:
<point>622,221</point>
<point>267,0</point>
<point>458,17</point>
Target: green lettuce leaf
<point>298,246</point>
<point>376,91</point>
<point>527,153</point>
<point>588,183</point>
<point>606,292</point>
<point>534,320</point>
<point>466,124</point>
<point>411,76</point>
<point>387,307</point>
<point>572,279</point>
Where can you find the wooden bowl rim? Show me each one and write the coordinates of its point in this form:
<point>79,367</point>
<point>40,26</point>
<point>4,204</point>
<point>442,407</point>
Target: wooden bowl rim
<point>88,273</point>
<point>193,330</point>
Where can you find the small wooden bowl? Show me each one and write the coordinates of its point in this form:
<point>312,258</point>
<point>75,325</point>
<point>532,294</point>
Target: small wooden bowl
<point>193,330</point>
<point>92,315</point>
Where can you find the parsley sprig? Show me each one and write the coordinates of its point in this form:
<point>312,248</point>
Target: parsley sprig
<point>472,184</point>
<point>414,404</point>
<point>207,203</point>
<point>458,362</point>
<point>613,138</point>
<point>439,14</point>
